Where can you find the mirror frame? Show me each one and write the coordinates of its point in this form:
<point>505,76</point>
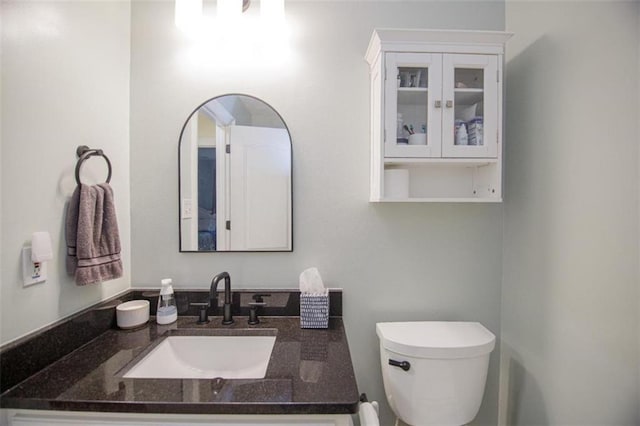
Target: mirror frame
<point>180,250</point>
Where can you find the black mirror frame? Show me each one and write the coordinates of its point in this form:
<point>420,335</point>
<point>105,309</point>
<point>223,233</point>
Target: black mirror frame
<point>180,178</point>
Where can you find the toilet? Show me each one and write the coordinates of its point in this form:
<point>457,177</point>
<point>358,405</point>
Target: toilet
<point>434,372</point>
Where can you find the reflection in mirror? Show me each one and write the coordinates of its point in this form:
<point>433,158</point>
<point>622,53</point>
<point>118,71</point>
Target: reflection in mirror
<point>235,177</point>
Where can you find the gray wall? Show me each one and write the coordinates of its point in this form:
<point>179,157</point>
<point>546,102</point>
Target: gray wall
<point>65,82</point>
<point>570,295</point>
<point>570,286</point>
<point>394,262</point>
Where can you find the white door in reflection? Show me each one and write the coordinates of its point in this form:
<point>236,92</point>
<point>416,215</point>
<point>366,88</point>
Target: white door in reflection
<point>259,189</point>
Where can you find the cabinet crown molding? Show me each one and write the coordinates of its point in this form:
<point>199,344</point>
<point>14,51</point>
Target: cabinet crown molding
<point>449,41</point>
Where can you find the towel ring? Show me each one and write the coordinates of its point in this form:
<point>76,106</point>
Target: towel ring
<point>84,153</point>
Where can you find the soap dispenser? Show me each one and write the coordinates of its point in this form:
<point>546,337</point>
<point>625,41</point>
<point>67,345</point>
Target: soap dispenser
<point>167,310</point>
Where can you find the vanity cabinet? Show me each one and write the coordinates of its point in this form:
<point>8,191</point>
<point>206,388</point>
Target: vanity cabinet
<point>436,113</point>
<point>57,418</point>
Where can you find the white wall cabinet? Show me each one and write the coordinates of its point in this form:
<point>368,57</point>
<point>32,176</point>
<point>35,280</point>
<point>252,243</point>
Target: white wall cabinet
<point>436,112</point>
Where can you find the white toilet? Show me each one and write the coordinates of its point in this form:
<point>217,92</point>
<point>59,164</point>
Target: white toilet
<point>434,373</point>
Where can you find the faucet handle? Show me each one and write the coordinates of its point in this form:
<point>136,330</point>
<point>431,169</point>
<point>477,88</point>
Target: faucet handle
<point>203,318</point>
<point>258,298</point>
<point>253,312</point>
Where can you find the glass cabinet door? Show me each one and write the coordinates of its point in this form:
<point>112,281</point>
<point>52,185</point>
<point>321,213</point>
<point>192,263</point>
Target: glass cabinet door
<point>470,114</point>
<point>413,107</point>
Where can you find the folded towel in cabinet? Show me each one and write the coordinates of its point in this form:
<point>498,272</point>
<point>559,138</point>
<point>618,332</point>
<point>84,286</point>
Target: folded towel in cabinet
<point>93,239</point>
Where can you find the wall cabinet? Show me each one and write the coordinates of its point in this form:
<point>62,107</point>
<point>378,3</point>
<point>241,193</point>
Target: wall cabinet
<point>436,115</point>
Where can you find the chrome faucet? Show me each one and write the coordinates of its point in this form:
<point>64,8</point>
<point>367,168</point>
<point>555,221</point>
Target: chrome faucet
<point>213,296</point>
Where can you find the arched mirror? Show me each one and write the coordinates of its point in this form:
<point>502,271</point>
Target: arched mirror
<point>235,177</point>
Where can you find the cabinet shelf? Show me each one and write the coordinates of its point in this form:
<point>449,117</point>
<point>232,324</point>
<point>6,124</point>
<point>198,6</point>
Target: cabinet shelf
<point>417,95</point>
<point>468,96</point>
<point>412,95</point>
<point>441,200</point>
<point>419,162</point>
<point>468,90</point>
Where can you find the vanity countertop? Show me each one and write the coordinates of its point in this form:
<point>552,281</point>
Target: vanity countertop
<point>310,372</point>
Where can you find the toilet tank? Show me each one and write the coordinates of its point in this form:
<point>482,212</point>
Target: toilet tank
<point>447,369</point>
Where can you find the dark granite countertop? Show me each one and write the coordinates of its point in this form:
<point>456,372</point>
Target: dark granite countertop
<point>310,372</point>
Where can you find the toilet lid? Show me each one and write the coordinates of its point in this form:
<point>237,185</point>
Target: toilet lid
<point>436,339</point>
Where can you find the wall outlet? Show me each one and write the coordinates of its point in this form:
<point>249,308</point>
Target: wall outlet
<point>32,273</point>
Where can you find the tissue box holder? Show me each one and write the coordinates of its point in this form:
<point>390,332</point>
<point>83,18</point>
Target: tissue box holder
<point>314,310</point>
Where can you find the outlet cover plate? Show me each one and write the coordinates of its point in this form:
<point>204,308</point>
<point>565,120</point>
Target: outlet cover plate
<point>32,273</point>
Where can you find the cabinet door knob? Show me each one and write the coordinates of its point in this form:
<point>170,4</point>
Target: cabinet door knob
<point>449,104</point>
<point>438,104</point>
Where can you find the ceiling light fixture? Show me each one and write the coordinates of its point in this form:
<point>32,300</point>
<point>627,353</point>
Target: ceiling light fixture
<point>188,14</point>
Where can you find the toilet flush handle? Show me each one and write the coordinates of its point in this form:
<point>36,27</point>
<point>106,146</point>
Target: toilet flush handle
<point>402,364</point>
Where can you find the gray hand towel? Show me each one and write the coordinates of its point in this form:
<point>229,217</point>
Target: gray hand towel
<point>93,241</point>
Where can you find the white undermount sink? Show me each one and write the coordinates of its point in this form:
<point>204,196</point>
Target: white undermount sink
<point>206,357</point>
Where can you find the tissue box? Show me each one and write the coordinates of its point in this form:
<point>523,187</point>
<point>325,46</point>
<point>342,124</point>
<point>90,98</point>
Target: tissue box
<point>314,310</point>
